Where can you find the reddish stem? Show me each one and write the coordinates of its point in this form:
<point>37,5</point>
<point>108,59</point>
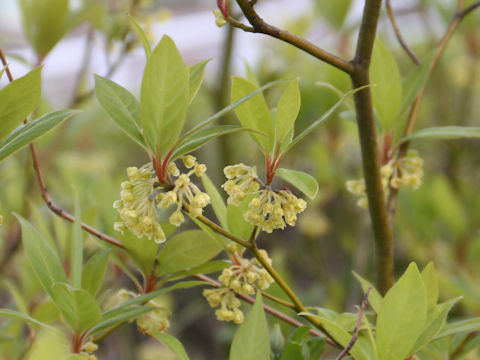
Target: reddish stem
<point>387,142</point>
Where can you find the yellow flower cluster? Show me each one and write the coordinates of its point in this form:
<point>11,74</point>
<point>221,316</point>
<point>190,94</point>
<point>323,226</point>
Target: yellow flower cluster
<point>137,205</point>
<point>155,320</point>
<point>396,173</point>
<point>272,209</point>
<point>269,209</point>
<point>184,189</point>
<point>242,181</point>
<point>243,278</point>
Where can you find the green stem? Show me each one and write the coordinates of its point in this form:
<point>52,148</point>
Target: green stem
<point>369,145</point>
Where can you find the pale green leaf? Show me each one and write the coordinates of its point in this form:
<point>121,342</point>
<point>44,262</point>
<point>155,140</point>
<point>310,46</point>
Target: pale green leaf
<point>374,298</point>
<point>44,23</point>
<point>208,267</point>
<point>444,133</point>
<point>218,205</point>
<point>94,271</point>
<point>142,36</point>
<point>431,284</point>
<point>42,257</point>
<point>172,344</point>
<point>21,316</point>
<point>251,341</point>
<point>302,181</point>
<point>436,317</point>
<point>143,251</point>
<point>25,134</point>
<point>387,89</point>
<point>50,345</point>
<point>254,113</point>
<point>195,78</point>
<point>188,249</point>
<point>164,97</point>
<point>462,326</point>
<point>125,314</point>
<point>17,100</point>
<point>402,316</point>
<point>237,224</point>
<point>287,112</point>
<point>77,306</point>
<point>122,107</point>
<point>76,246</point>
<point>334,12</point>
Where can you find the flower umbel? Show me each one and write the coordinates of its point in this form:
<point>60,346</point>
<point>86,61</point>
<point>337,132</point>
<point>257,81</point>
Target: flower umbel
<point>137,205</point>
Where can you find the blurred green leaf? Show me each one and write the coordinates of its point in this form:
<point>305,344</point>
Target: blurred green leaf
<point>467,325</point>
<point>49,345</point>
<point>237,224</point>
<point>94,271</point>
<point>208,267</point>
<point>122,107</point>
<point>78,307</point>
<point>436,317</point>
<point>402,316</point>
<point>44,23</point>
<point>277,341</point>
<point>316,347</point>
<point>374,298</point>
<point>18,99</point>
<point>431,284</point>
<point>143,251</point>
<point>164,97</point>
<point>254,113</point>
<point>142,36</point>
<point>287,112</point>
<point>188,249</point>
<point>22,317</point>
<point>25,134</point>
<point>195,78</point>
<point>334,12</point>
<point>172,343</point>
<point>218,204</point>
<point>43,259</point>
<point>292,351</point>
<point>251,340</point>
<point>124,315</point>
<point>444,133</point>
<point>302,181</point>
<point>387,85</point>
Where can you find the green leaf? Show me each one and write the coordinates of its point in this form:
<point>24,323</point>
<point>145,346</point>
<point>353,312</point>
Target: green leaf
<point>164,97</point>
<point>218,205</point>
<point>436,317</point>
<point>143,251</point>
<point>237,224</point>
<point>208,267</point>
<point>387,89</point>
<point>22,317</point>
<point>201,137</point>
<point>251,341</point>
<point>78,307</point>
<point>254,113</point>
<point>444,133</point>
<point>188,249</point>
<point>195,78</point>
<point>44,260</point>
<point>50,345</point>
<point>458,327</point>
<point>374,298</point>
<point>316,346</point>
<point>277,341</point>
<point>94,271</point>
<point>122,107</point>
<point>44,23</point>
<point>287,112</point>
<point>412,86</point>
<point>76,247</point>
<point>25,134</point>
<point>322,118</point>
<point>431,284</point>
<point>143,37</point>
<point>124,315</point>
<point>292,351</point>
<point>17,100</point>
<point>334,12</point>
<point>172,344</point>
<point>402,316</point>
<point>302,181</point>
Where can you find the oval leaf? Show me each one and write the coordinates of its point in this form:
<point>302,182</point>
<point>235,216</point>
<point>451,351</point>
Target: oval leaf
<point>251,341</point>
<point>94,271</point>
<point>172,343</point>
<point>302,181</point>
<point>195,78</point>
<point>287,112</point>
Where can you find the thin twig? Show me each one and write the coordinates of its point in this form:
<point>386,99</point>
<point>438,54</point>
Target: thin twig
<point>43,188</point>
<point>356,330</point>
<point>260,26</point>
<point>270,310</point>
<point>398,34</point>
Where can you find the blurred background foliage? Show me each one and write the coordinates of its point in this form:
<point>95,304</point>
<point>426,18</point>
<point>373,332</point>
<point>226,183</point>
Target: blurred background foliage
<point>439,222</point>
